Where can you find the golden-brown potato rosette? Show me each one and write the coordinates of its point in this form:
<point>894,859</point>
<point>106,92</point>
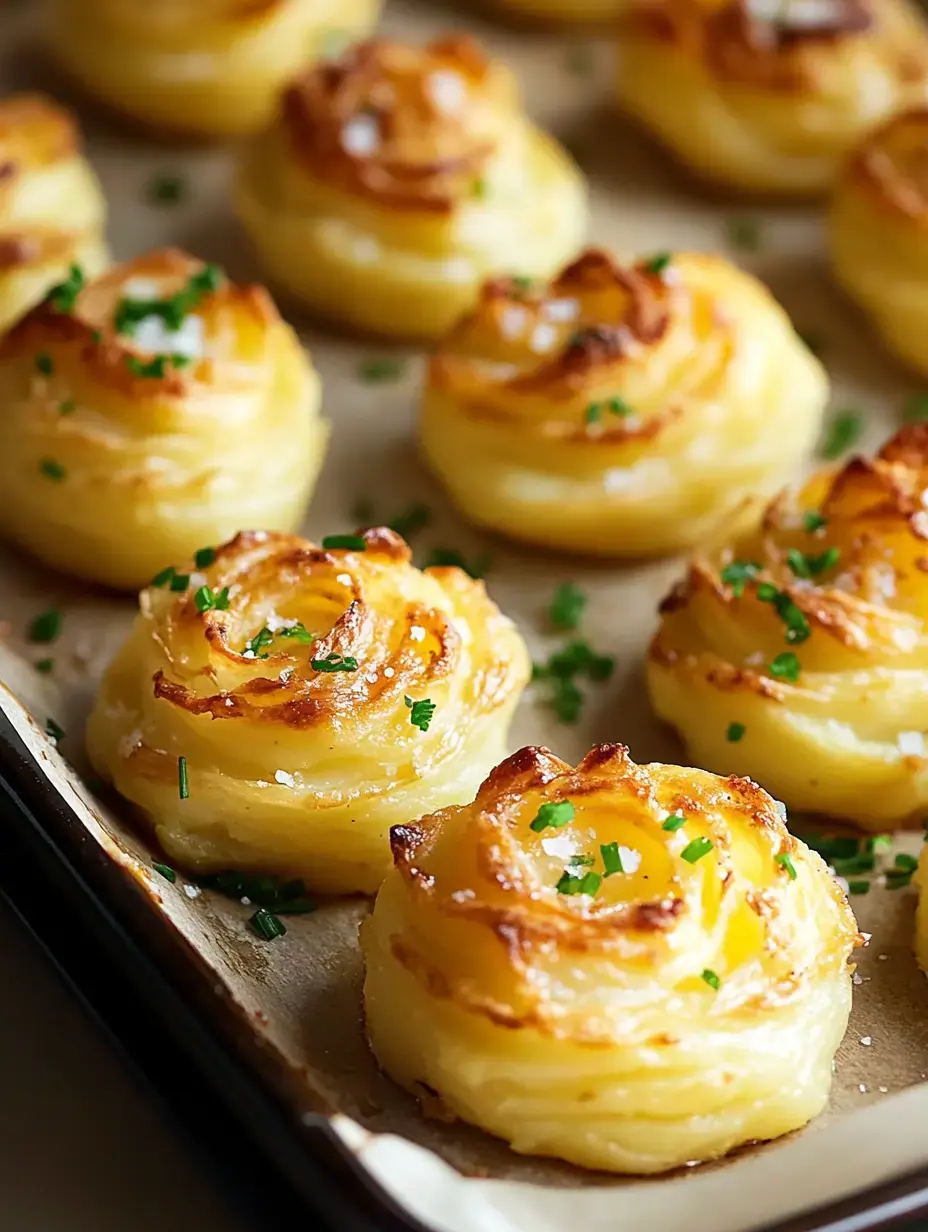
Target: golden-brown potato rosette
<point>316,695</point>
<point>564,12</point>
<point>150,411</point>
<point>210,68</point>
<point>398,178</point>
<point>799,655</point>
<point>52,210</point>
<point>628,967</point>
<point>621,411</point>
<point>878,230</point>
<point>769,95</point>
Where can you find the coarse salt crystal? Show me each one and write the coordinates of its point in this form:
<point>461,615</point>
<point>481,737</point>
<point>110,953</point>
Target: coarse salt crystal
<point>866,1040</point>
<point>281,776</point>
<point>389,672</point>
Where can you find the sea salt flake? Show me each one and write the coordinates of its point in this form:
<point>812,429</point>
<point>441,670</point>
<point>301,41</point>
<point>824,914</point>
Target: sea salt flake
<point>281,776</point>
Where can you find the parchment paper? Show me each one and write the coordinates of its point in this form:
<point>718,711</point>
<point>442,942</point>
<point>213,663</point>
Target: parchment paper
<point>302,993</point>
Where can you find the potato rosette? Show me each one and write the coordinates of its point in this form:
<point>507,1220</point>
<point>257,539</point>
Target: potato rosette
<point>769,95</point>
<point>574,12</point>
<point>878,230</point>
<point>397,178</point>
<point>621,411</point>
<point>627,967</point>
<point>208,68</point>
<point>150,411</point>
<point>52,209</point>
<point>799,655</point>
<point>315,697</point>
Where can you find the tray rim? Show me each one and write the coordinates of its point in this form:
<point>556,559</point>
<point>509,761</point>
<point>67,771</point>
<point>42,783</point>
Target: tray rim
<point>303,1168</point>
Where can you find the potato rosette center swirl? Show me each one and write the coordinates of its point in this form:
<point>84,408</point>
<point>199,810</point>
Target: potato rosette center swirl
<point>621,410</point>
<point>811,637</point>
<point>318,695</point>
<point>577,940</point>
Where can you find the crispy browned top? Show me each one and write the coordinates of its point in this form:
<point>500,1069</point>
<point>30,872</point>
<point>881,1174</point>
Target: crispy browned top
<point>412,127</point>
<point>34,132</point>
<point>892,165</point>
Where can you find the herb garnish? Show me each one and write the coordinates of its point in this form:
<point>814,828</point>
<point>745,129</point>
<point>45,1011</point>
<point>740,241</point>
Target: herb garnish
<point>267,925</point>
<point>735,732</point>
<point>615,406</point>
<point>408,521</point>
<point>156,368</point>
<point>254,647</point>
<point>561,671</point>
<point>166,871</point>
<point>204,557</point>
<point>673,822</point>
<point>805,566</point>
<point>813,521</point>
<point>658,263</point>
<point>352,543</point>
<point>334,663</point>
<point>52,470</point>
<point>797,626</point>
<point>270,892</point>
<point>68,407</point>
<point>738,573</point>
<point>858,887</point>
<point>711,979</point>
<point>554,814</point>
<point>208,600</point>
<point>46,626</point>
<point>173,308</point>
<point>567,606</point>
<point>844,430</point>
<point>589,883</point>
<point>45,363</point>
<point>63,296</point>
<point>44,666</point>
<point>744,234</point>
<point>373,370</point>
<point>52,730</point>
<point>785,860</point>
<point>183,787</point>
<point>421,713</point>
<point>166,189</point>
<point>696,849</point>
<point>612,858</point>
<point>785,667</point>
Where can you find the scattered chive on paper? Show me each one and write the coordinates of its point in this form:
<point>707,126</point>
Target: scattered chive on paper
<point>880,843</point>
<point>350,543</point>
<point>53,470</point>
<point>696,849</point>
<point>785,860</point>
<point>553,815</point>
<point>841,434</point>
<point>46,626</point>
<point>711,979</point>
<point>858,887</point>
<point>374,370</point>
<point>165,188</point>
<point>166,871</point>
<point>441,558</point>
<point>45,666</point>
<point>906,862</point>
<point>265,889</point>
<point>744,234</point>
<point>567,606</point>
<point>267,925</point>
<point>735,732</point>
<point>673,823</point>
<point>52,730</point>
<point>183,787</point>
<point>421,713</point>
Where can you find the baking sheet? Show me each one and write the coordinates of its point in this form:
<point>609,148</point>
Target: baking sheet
<point>301,994</point>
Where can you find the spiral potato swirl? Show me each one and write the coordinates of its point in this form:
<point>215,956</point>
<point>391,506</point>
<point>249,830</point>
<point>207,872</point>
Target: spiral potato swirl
<point>129,443</point>
<point>398,177</point>
<point>210,68</point>
<point>620,411</point>
<point>302,753</point>
<point>811,636</point>
<point>52,210</point>
<point>770,96</point>
<point>689,1000</point>
<point>878,230</point>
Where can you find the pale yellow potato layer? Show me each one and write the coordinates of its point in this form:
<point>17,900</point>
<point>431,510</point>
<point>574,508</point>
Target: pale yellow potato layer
<point>621,411</point>
<point>388,215</point>
<point>296,769</point>
<point>210,68</point>
<point>839,730</point>
<point>660,1015</point>
<point>125,451</point>
<point>764,96</point>
<point>52,210</point>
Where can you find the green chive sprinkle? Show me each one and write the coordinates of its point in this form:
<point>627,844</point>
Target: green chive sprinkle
<point>805,566</point>
<point>421,713</point>
<point>207,600</point>
<point>785,666</point>
<point>738,573</point>
<point>63,296</point>
<point>658,263</point>
<point>711,979</point>
<point>735,732</point>
<point>351,543</point>
<point>553,815</point>
<point>673,823</point>
<point>844,431</point>
<point>166,872</point>
<point>410,520</point>
<point>567,606</point>
<point>612,858</point>
<point>334,663</point>
<point>858,887</point>
<point>442,558</point>
<point>182,784</point>
<point>898,879</point>
<point>204,557</point>
<point>744,234</point>
<point>52,470</point>
<point>785,860</point>
<point>53,730</point>
<point>267,925</point>
<point>45,363</point>
<point>375,370</point>
<point>906,862</point>
<point>696,849</point>
<point>880,842</point>
<point>180,582</point>
<point>813,521</point>
<point>46,626</point>
<point>166,189</point>
<point>589,883</point>
<point>45,666</point>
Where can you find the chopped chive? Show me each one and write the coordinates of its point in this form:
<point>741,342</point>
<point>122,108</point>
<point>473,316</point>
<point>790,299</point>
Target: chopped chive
<point>334,663</point>
<point>207,600</point>
<point>738,573</point>
<point>421,713</point>
<point>880,842</point>
<point>46,626</point>
<point>797,625</point>
<point>804,566</point>
<point>673,823</point>
<point>53,730</point>
<point>813,521</point>
<point>44,666</point>
<point>154,369</point>
<point>658,263</point>
<point>52,470</point>
<point>744,234</point>
<point>589,883</point>
<point>63,297</point>
<point>906,862</point>
<point>373,370</point>
<point>696,849</point>
<point>735,732</point>
<point>166,872</point>
<point>172,310</point>
<point>267,925</point>
<point>162,578</point>
<point>166,189</point>
<point>180,582</point>
<point>898,879</point>
<point>785,666</point>
<point>45,363</point>
<point>183,787</point>
<point>858,887</point>
<point>204,557</point>
<point>567,606</point>
<point>785,860</point>
<point>612,858</point>
<point>864,862</point>
<point>553,815</point>
<point>844,431</point>
<point>352,543</point>
<point>68,407</point>
<point>711,979</point>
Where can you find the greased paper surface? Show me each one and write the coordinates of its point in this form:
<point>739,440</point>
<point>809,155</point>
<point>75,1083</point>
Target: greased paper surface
<point>301,994</point>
